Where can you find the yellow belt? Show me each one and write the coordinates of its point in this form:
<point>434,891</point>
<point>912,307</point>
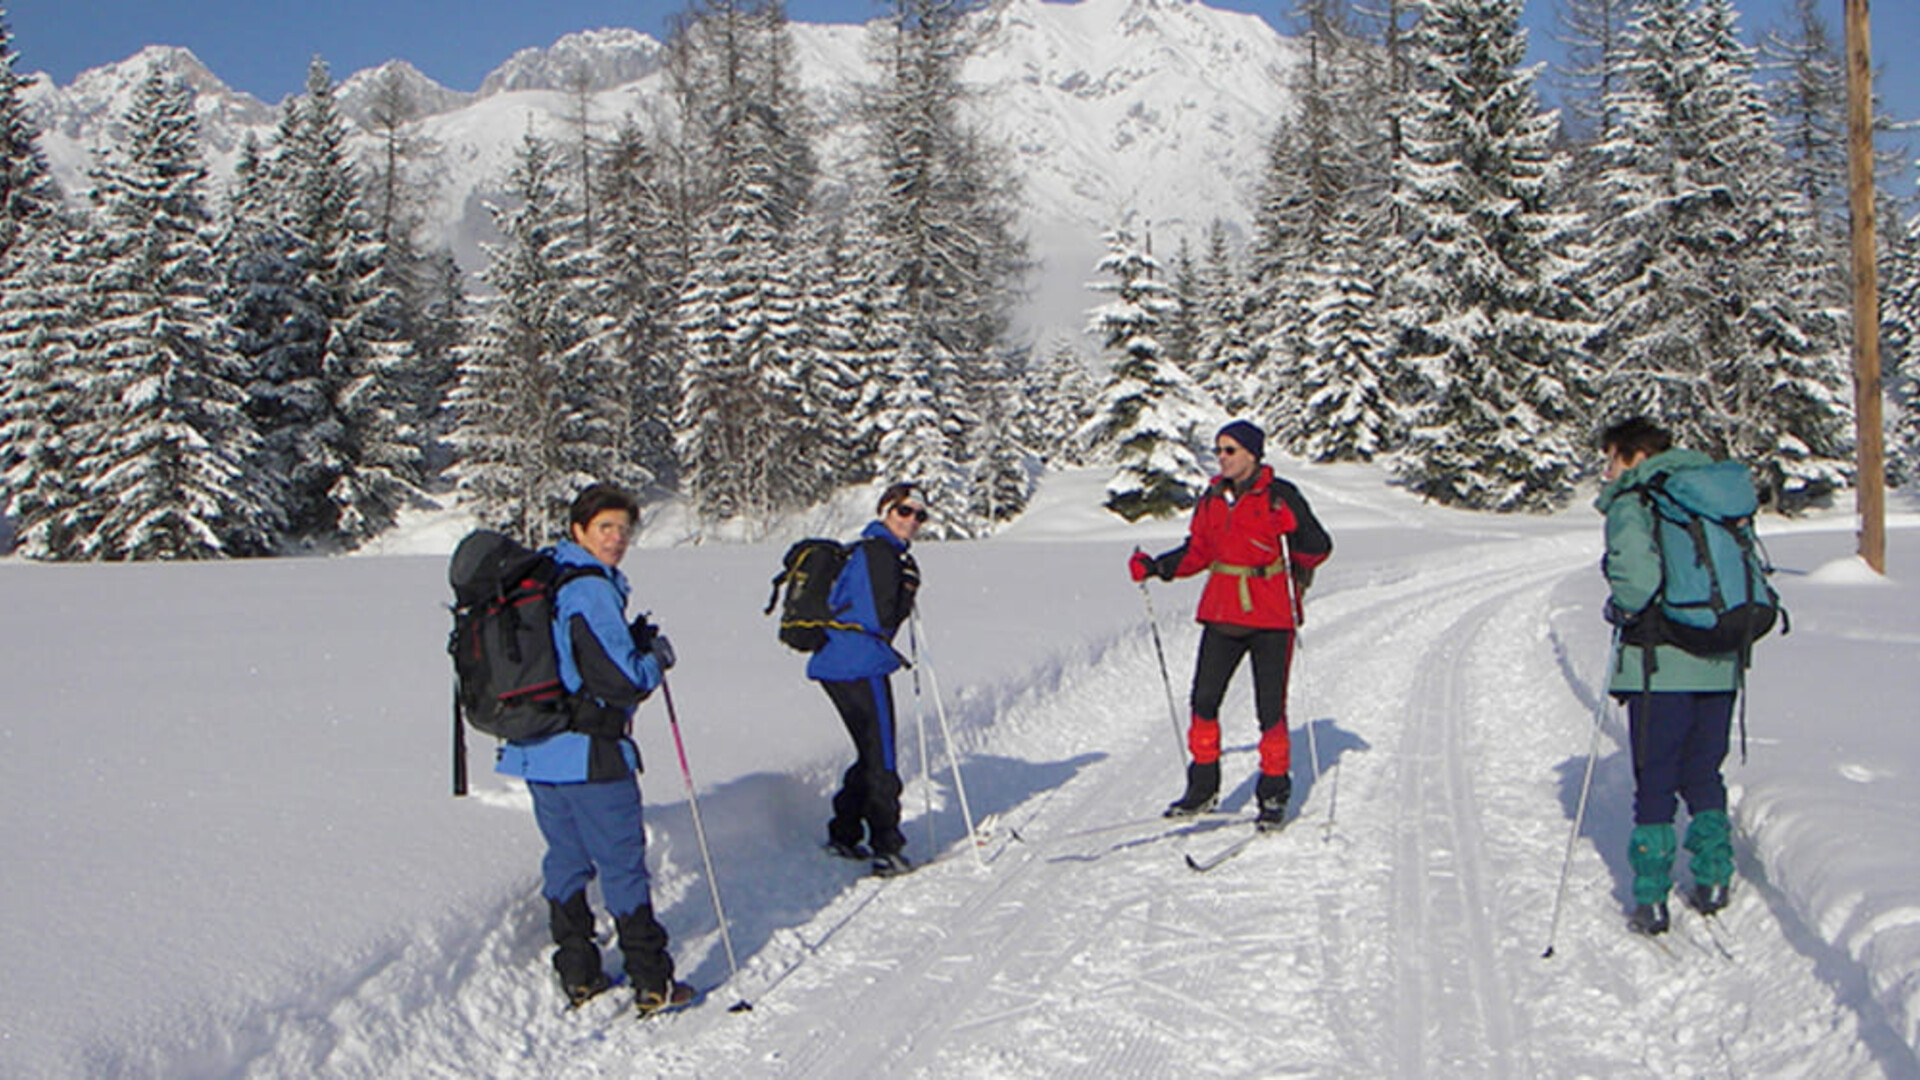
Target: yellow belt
<point>1244,573</point>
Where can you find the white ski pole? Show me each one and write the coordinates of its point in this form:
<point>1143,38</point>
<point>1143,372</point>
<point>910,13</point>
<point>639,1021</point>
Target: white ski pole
<point>700,834</point>
<point>1586,786</point>
<point>1299,619</point>
<point>1166,680</point>
<point>920,723</point>
<point>946,734</point>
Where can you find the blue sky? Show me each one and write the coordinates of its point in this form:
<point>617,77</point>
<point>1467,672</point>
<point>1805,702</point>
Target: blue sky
<point>263,48</point>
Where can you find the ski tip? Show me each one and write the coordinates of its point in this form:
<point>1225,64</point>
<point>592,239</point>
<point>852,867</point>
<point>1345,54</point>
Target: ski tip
<point>1194,865</point>
<point>1548,955</point>
<point>741,1006</point>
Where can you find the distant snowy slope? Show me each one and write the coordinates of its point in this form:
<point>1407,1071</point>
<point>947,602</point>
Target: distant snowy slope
<point>1154,111</point>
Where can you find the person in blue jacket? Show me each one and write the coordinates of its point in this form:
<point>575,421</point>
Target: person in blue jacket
<point>875,592</point>
<point>586,798</point>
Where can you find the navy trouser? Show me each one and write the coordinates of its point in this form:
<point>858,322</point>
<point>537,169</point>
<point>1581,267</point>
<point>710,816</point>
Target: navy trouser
<point>593,830</point>
<point>1679,743</point>
<point>870,791</point>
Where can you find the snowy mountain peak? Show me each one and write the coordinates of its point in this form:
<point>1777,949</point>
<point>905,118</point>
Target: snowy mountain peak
<point>607,58</point>
<point>89,110</point>
<point>357,95</point>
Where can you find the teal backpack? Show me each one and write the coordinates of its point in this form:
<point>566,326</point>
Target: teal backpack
<point>1714,595</point>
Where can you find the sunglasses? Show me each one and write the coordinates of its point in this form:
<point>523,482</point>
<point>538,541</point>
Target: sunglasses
<point>917,513</point>
<point>1227,451</point>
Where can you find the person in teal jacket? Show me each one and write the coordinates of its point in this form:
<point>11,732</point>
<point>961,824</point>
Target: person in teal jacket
<point>586,798</point>
<point>1679,705</point>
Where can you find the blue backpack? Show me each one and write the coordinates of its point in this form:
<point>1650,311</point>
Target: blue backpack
<point>1714,595</point>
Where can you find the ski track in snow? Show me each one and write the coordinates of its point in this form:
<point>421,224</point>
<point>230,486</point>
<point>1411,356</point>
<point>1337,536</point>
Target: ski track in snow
<point>1402,939</point>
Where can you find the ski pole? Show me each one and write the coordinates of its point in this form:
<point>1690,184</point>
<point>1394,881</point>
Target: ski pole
<point>1580,810</point>
<point>946,734</point>
<point>920,723</point>
<point>700,834</point>
<point>1299,623</point>
<point>1160,653</point>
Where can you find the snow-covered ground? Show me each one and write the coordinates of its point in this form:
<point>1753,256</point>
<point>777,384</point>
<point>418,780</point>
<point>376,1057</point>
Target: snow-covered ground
<point>229,847</point>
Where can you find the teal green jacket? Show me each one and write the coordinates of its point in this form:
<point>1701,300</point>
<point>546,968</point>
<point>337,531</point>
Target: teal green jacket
<point>1633,573</point>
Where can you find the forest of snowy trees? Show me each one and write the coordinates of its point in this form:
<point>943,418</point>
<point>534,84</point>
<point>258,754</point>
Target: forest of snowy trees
<point>1442,276</point>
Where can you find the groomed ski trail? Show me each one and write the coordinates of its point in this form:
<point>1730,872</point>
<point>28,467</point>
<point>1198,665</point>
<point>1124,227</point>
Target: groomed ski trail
<point>1404,943</point>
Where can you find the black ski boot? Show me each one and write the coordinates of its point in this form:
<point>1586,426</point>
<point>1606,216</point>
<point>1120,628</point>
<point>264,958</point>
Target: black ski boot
<point>841,850</point>
<point>1203,791</point>
<point>1649,919</point>
<point>1274,792</point>
<point>890,864</point>
<point>643,942</point>
<point>577,959</point>
<point>1707,899</point>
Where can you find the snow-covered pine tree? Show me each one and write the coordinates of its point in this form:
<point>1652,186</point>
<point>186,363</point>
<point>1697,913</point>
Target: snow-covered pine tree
<point>1004,468</point>
<point>941,217</point>
<point>1900,342</point>
<point>1151,416</point>
<point>357,455</point>
<point>639,276</point>
<point>1057,397</point>
<point>166,457</point>
<point>1346,390</point>
<point>44,309</point>
<point>1483,300</point>
<point>1224,356</point>
<point>527,434</point>
<point>410,280</point>
<point>1715,294</point>
<point>743,431</point>
<point>1594,35</point>
<point>28,198</point>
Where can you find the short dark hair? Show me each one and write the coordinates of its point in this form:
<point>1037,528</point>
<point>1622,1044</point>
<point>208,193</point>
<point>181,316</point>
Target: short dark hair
<point>1636,435</point>
<point>895,493</point>
<point>598,499</point>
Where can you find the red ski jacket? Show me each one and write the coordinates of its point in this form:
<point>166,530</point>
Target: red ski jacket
<point>1237,539</point>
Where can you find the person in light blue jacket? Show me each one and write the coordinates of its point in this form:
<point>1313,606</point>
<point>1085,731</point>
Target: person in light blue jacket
<point>874,592</point>
<point>586,795</point>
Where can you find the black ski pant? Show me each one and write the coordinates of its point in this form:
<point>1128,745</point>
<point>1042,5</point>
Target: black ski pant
<point>1680,740</point>
<point>867,806</point>
<point>1220,654</point>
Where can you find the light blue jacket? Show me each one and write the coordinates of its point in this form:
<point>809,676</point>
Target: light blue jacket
<point>597,659</point>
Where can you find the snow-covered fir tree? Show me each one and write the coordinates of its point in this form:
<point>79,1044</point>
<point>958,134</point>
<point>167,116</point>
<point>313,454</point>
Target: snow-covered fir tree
<point>1005,470</point>
<point>1900,356</point>
<point>1715,295</point>
<point>1483,301</point>
<point>28,198</point>
<point>44,313</point>
<point>1224,358</point>
<point>528,432</point>
<point>1346,376</point>
<point>165,455</point>
<point>743,428</point>
<point>639,279</point>
<point>1593,34</point>
<point>1057,396</point>
<point>1151,415</point>
<point>940,216</point>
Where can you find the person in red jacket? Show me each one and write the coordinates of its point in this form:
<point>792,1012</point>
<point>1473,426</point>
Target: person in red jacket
<point>1258,541</point>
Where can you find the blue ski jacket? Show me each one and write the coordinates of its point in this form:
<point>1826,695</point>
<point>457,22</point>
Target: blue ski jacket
<point>600,665</point>
<point>875,592</point>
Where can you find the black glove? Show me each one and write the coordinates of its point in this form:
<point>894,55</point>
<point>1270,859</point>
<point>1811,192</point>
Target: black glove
<point>643,632</point>
<point>662,650</point>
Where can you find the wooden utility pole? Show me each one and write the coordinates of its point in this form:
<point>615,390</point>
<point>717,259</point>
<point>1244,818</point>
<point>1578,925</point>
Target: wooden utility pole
<point>1870,495</point>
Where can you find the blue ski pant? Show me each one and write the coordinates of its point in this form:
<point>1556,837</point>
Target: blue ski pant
<point>1679,743</point>
<point>593,830</point>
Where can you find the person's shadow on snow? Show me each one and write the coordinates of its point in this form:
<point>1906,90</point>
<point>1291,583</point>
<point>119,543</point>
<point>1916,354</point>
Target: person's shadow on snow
<point>766,833</point>
<point>1324,735</point>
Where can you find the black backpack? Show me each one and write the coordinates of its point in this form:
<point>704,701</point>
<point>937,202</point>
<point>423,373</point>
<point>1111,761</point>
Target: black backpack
<point>506,669</point>
<point>808,570</point>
